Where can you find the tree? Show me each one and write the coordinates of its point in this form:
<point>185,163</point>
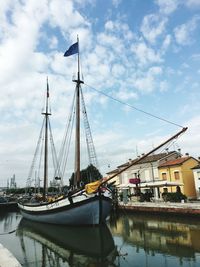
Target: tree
<point>88,175</point>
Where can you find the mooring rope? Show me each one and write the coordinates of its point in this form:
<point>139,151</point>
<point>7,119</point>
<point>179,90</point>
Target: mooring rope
<point>10,232</point>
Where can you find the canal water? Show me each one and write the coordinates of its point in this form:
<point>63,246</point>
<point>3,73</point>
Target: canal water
<point>127,240</point>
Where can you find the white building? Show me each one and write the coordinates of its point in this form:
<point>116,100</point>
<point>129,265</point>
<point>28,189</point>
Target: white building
<point>196,173</point>
<point>147,169</point>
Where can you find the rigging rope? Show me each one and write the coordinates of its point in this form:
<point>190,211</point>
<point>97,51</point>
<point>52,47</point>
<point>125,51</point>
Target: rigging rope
<point>133,107</point>
<point>28,183</point>
<point>172,142</point>
<point>64,150</point>
<point>88,135</point>
<point>54,155</point>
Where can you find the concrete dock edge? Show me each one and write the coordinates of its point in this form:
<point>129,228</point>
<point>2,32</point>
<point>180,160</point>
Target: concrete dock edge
<point>7,259</point>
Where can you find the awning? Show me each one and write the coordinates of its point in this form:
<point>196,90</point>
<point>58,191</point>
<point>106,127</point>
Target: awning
<point>160,184</point>
<point>150,184</point>
<point>126,186</point>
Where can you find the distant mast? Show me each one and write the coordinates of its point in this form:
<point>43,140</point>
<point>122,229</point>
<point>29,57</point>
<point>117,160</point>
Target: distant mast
<point>46,114</point>
<point>78,82</point>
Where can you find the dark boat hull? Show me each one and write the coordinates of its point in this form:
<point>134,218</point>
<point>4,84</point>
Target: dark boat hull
<point>83,211</point>
<point>8,206</point>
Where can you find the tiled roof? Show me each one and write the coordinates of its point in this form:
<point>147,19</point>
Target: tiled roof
<point>178,161</point>
<point>113,171</point>
<point>196,167</point>
<point>150,158</point>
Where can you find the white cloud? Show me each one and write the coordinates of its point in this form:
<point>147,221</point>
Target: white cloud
<point>125,95</point>
<point>168,6</point>
<point>117,60</point>
<point>196,57</point>
<point>144,54</point>
<point>189,139</point>
<point>183,33</point>
<point>118,70</point>
<point>63,15</point>
<point>192,3</point>
<point>166,43</point>
<point>116,3</point>
<point>53,42</point>
<point>120,29</point>
<point>147,82</point>
<point>164,86</point>
<point>153,26</point>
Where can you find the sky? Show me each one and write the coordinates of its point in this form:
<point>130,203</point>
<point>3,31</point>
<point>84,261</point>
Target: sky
<point>143,54</point>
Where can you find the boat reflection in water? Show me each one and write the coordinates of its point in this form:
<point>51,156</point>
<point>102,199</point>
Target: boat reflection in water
<point>168,241</point>
<point>53,245</point>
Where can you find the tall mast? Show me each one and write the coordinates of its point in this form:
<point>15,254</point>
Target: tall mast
<point>77,134</point>
<point>46,114</point>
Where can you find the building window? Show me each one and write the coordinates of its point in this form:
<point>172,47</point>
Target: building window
<point>164,176</point>
<point>198,175</point>
<point>176,175</point>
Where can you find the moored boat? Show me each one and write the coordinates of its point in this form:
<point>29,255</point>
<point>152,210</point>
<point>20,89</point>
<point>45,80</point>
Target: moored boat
<point>89,205</point>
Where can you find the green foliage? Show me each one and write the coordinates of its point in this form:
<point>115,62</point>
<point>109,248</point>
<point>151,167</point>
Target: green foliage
<point>15,191</point>
<point>52,189</point>
<point>174,197</point>
<point>88,175</point>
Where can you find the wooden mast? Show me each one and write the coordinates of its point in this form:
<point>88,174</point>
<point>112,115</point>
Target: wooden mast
<point>77,134</point>
<point>46,114</point>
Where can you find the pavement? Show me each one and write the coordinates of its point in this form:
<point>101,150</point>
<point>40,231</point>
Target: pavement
<point>7,259</point>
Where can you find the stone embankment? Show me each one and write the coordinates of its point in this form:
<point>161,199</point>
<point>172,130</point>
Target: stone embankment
<point>190,209</point>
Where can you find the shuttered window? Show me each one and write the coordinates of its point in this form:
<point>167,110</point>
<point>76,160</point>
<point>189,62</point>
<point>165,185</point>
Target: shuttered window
<point>176,175</point>
<point>164,176</point>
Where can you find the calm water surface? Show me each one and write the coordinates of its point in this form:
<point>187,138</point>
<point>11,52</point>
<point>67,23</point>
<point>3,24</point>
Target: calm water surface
<point>128,240</point>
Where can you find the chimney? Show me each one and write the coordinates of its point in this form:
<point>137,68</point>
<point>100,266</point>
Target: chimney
<point>187,154</point>
<point>179,151</point>
<point>167,150</point>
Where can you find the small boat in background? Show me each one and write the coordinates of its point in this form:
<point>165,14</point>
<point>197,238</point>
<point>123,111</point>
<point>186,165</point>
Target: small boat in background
<point>7,204</point>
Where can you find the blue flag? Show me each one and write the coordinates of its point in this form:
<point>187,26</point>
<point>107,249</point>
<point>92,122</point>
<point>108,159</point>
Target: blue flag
<point>73,49</point>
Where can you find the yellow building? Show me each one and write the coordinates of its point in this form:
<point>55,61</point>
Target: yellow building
<point>180,170</point>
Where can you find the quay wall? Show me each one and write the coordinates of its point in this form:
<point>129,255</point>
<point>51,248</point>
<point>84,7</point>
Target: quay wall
<point>185,209</point>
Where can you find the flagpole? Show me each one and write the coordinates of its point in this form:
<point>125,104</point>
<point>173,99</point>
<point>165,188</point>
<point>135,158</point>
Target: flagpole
<point>74,49</point>
<point>77,146</point>
<point>46,114</point>
<point>78,60</point>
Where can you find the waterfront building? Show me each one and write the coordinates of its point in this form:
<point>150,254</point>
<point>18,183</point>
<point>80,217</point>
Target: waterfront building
<point>180,170</point>
<point>146,171</point>
<point>196,173</point>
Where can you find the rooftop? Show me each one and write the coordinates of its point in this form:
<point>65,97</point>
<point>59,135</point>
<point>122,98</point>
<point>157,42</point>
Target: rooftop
<point>177,161</point>
<point>151,158</point>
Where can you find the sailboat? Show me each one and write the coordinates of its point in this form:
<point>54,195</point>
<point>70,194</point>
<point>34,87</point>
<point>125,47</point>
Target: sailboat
<point>88,205</point>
